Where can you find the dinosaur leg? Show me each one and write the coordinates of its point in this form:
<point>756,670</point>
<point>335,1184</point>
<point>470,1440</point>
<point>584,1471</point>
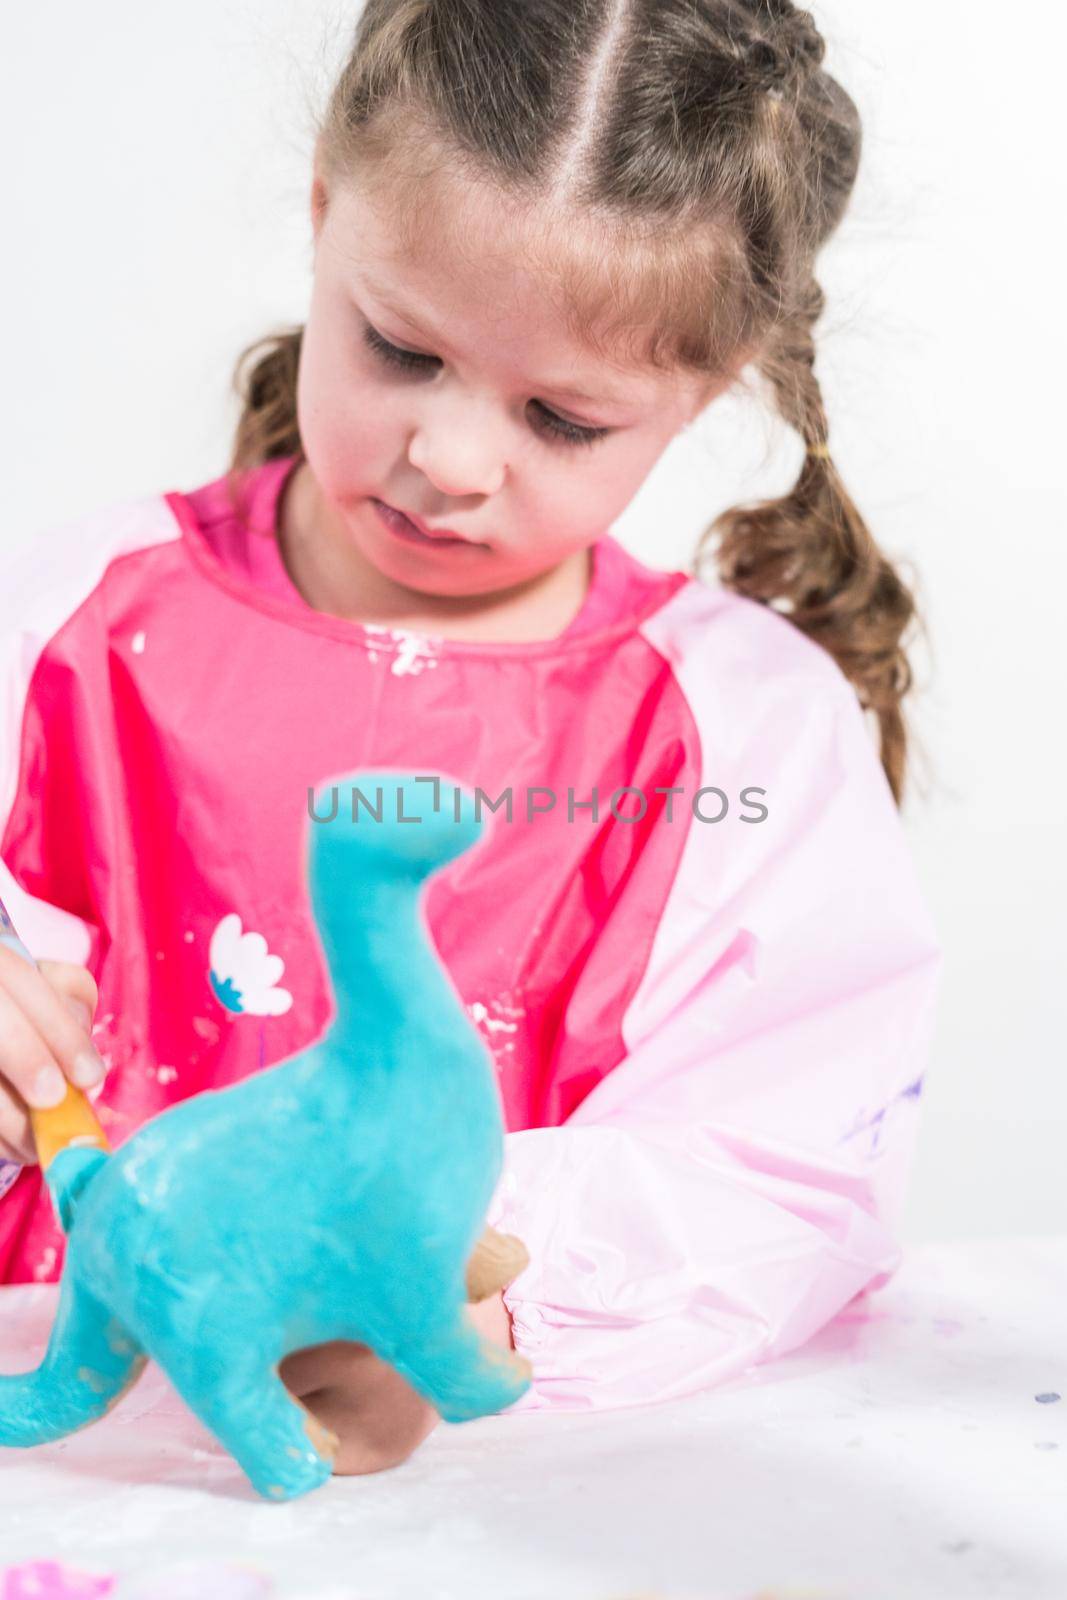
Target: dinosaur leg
<point>90,1363</point>
<point>282,1449</point>
<point>462,1374</point>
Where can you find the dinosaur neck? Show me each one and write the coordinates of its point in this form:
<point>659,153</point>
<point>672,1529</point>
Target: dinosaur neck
<point>381,963</point>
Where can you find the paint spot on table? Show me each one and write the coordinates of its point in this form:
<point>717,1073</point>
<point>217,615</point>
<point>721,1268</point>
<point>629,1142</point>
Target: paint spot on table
<point>1047,1398</point>
<point>47,1580</point>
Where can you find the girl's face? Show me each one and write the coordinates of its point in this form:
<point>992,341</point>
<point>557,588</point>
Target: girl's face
<point>446,386</point>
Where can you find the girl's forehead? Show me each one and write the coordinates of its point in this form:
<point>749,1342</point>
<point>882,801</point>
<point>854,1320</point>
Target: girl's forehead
<point>437,222</point>
<point>457,243</point>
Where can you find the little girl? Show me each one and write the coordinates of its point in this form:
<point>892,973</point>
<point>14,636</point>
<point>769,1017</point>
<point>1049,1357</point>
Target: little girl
<point>546,238</point>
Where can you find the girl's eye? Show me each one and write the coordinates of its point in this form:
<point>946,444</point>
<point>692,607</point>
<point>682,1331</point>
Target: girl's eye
<point>392,353</point>
<point>412,361</point>
<point>569,432</point>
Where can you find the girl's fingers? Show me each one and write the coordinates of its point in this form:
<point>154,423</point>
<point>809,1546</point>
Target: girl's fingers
<point>16,1135</point>
<point>76,984</point>
<point>41,1042</point>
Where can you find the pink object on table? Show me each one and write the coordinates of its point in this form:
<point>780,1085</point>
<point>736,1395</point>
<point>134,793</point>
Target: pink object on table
<point>47,1580</point>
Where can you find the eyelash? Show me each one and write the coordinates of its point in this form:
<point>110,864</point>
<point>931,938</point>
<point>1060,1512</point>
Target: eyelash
<point>411,361</point>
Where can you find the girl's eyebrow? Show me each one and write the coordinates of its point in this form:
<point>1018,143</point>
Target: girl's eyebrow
<point>607,396</point>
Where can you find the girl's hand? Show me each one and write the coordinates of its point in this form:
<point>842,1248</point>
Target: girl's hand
<point>378,1417</point>
<point>45,1016</point>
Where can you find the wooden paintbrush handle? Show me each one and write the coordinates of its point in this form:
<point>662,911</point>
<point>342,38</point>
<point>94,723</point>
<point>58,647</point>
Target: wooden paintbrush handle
<point>72,1125</point>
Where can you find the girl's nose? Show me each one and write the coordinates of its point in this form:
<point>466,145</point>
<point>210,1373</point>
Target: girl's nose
<point>458,455</point>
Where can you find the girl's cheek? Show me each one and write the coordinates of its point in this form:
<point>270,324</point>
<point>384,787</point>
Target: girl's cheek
<point>336,405</point>
<point>576,506</point>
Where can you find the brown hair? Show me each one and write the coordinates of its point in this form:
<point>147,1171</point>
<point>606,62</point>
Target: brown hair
<point>714,157</point>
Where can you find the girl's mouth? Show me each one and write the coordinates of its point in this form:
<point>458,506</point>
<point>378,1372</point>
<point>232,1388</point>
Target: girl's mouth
<point>400,525</point>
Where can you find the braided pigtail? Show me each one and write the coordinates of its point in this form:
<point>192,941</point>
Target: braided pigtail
<point>811,555</point>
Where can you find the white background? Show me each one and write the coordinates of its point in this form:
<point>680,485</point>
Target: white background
<point>157,161</point>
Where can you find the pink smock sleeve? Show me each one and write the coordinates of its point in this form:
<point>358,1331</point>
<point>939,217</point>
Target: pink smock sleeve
<point>58,768</point>
<point>737,1178</point>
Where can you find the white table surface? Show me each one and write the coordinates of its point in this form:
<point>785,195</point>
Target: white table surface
<point>901,1454</point>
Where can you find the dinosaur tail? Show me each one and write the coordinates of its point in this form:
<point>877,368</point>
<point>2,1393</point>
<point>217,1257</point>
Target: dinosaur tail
<point>90,1363</point>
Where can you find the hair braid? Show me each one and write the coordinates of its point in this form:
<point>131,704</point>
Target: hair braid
<point>811,555</point>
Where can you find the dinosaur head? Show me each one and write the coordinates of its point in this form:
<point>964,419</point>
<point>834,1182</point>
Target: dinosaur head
<point>386,826</point>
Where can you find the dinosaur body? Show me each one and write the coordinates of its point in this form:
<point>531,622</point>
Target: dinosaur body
<point>338,1195</point>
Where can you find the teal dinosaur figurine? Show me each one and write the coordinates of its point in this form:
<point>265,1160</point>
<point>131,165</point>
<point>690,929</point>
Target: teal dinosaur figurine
<point>340,1195</point>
